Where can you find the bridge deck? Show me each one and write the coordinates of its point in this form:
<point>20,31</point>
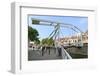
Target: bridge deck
<point>44,55</point>
<point>53,53</point>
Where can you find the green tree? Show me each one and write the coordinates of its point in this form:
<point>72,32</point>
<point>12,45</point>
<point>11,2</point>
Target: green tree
<point>47,42</point>
<point>33,34</point>
<point>37,41</point>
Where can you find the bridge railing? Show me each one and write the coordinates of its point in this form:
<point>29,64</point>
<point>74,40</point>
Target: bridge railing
<point>65,54</point>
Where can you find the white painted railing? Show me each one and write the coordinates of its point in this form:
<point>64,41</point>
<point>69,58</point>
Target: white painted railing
<point>65,54</point>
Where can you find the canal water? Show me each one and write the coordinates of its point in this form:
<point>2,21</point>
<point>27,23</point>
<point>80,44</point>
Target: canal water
<point>78,52</point>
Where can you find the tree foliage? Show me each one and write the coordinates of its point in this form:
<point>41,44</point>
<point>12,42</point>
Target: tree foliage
<point>47,42</point>
<point>33,34</point>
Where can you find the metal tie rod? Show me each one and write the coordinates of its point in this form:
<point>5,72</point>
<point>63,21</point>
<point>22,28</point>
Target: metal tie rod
<point>53,23</point>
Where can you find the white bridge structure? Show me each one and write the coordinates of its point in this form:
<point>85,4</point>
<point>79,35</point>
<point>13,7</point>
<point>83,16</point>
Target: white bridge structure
<point>55,34</point>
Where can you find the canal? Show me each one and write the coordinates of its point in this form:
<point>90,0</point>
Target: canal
<point>78,52</point>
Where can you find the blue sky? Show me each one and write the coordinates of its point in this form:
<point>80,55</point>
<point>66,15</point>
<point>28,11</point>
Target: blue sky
<point>44,31</point>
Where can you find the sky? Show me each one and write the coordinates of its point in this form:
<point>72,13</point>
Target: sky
<point>44,31</point>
